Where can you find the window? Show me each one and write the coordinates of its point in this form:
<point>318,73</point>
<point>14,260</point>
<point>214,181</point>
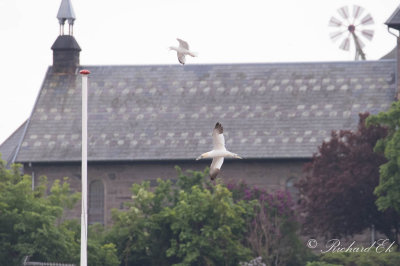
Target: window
<point>96,202</point>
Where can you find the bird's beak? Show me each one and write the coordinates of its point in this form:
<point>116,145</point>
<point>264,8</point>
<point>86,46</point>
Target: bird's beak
<point>198,158</point>
<point>238,157</point>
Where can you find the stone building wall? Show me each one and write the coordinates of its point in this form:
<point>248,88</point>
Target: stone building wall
<point>118,177</point>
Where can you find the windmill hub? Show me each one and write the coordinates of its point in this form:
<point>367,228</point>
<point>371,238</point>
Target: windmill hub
<point>351,28</point>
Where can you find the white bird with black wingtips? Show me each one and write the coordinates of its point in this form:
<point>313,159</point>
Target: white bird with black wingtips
<point>182,51</point>
<point>219,152</point>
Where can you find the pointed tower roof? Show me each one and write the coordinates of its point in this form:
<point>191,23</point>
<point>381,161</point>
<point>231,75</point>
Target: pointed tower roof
<point>394,19</point>
<point>66,12</point>
<point>65,48</point>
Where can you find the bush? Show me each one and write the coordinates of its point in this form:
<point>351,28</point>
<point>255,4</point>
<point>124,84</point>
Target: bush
<point>193,223</point>
<point>371,258</point>
<point>319,263</point>
<point>30,221</point>
<point>272,233</point>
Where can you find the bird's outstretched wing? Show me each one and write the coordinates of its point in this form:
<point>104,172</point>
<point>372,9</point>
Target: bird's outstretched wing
<point>216,166</point>
<point>183,44</point>
<point>218,137</point>
<point>181,58</point>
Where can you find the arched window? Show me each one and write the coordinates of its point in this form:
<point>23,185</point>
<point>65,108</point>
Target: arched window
<point>96,202</point>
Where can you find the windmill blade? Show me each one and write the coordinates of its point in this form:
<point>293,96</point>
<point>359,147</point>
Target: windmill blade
<point>369,34</point>
<point>334,22</point>
<point>357,11</point>
<point>345,45</point>
<point>367,20</point>
<point>344,12</point>
<point>335,35</point>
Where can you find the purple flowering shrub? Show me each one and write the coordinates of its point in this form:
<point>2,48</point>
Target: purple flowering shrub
<point>279,203</point>
<point>272,232</point>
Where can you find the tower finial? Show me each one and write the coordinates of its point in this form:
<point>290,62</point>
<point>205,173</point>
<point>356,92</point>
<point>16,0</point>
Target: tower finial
<point>66,12</point>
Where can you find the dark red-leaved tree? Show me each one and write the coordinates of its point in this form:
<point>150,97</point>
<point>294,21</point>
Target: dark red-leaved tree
<point>337,191</point>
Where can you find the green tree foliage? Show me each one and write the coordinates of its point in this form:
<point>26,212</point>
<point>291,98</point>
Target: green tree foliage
<point>337,191</point>
<point>32,223</point>
<point>100,252</point>
<point>371,258</point>
<point>192,223</point>
<point>388,190</point>
<point>28,219</point>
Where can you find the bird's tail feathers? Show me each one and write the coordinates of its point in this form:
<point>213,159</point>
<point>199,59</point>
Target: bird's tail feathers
<point>194,54</point>
<point>214,173</point>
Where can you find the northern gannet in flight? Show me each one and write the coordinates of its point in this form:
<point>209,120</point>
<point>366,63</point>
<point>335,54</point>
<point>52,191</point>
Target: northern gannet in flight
<point>182,51</point>
<point>218,152</point>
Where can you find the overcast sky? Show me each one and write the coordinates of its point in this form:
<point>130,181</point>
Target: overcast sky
<point>130,32</point>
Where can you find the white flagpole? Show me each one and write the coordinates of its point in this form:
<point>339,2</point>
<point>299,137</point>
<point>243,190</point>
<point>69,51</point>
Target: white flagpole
<point>84,74</point>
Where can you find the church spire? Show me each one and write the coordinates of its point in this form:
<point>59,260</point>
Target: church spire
<point>66,13</point>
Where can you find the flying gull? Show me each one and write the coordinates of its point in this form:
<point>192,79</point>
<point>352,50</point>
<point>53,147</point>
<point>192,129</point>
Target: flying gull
<point>218,152</point>
<point>182,51</point>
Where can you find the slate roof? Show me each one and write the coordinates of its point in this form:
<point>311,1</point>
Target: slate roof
<point>394,20</point>
<point>66,42</point>
<point>390,55</point>
<point>9,146</point>
<point>165,112</point>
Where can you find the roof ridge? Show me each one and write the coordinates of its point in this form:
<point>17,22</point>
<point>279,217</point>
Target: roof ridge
<point>240,64</point>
